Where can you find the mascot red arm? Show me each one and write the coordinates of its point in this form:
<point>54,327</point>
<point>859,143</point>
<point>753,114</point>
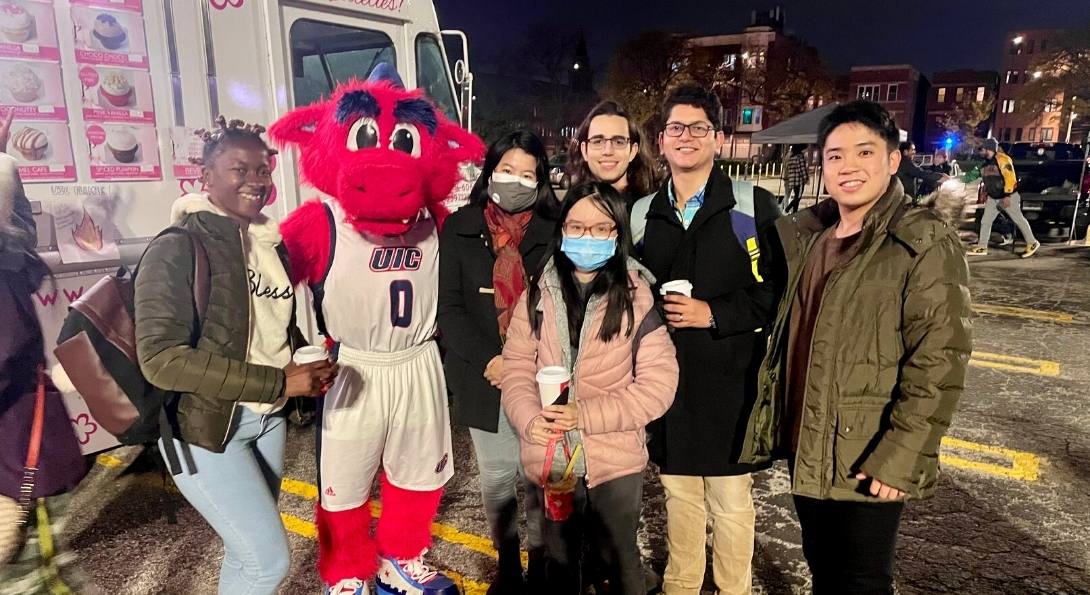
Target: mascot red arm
<point>389,159</point>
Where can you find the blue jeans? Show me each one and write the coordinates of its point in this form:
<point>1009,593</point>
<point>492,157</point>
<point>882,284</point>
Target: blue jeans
<point>499,469</point>
<point>236,491</point>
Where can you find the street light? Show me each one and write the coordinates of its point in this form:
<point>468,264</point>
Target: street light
<point>1019,39</point>
<point>1037,75</point>
<point>575,66</point>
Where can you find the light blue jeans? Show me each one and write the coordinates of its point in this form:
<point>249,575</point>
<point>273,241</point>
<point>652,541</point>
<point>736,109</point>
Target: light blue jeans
<point>236,491</point>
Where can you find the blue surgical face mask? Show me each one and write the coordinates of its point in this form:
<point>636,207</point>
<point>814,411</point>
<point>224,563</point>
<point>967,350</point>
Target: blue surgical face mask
<point>588,253</point>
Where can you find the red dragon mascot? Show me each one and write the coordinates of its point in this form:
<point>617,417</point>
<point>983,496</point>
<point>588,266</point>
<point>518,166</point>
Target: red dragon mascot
<point>388,158</point>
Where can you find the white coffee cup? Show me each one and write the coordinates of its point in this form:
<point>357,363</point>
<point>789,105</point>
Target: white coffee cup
<point>310,354</point>
<point>678,286</point>
<point>551,382</point>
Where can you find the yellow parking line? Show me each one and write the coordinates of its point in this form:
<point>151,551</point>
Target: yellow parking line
<point>1060,317</point>
<point>307,529</point>
<point>109,461</point>
<point>448,533</point>
<point>1013,363</point>
<point>1023,465</point>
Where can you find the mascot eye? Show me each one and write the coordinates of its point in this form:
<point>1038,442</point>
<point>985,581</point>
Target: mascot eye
<point>406,138</point>
<point>363,135</point>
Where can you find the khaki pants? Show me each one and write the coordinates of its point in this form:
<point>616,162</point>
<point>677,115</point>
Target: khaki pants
<point>690,500</point>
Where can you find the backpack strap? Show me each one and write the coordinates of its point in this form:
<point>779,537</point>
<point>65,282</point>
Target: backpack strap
<point>651,321</point>
<point>639,220</point>
<point>202,276</point>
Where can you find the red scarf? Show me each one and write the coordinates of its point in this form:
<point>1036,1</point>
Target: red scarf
<point>508,276</point>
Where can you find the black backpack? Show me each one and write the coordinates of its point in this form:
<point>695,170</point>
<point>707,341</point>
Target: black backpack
<point>97,349</point>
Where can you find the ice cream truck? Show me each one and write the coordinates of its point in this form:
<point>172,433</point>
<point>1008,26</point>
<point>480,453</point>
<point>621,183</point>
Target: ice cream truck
<point>107,96</point>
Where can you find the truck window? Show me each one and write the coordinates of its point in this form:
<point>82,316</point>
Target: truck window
<point>432,77</point>
<point>324,55</point>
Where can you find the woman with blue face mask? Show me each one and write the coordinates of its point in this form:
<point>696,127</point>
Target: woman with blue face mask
<point>485,250</point>
<point>589,310</point>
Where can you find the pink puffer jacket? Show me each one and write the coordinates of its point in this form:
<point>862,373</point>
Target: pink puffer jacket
<point>615,404</point>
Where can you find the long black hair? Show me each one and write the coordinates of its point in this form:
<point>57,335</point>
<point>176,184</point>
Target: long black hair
<point>612,279</point>
<point>642,179</point>
<point>547,204</point>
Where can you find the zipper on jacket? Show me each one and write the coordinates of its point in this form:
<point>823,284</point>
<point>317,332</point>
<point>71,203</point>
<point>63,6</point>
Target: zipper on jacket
<point>249,333</point>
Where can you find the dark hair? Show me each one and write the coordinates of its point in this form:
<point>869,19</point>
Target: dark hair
<point>612,279</point>
<point>547,204</point>
<point>906,145</point>
<point>867,113</point>
<point>695,96</point>
<point>641,172</point>
<point>797,149</point>
<point>229,132</point>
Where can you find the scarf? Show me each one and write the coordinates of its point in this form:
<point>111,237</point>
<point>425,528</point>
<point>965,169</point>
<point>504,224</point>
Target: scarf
<point>508,275</point>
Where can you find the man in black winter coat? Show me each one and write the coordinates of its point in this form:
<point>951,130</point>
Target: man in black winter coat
<point>912,175</point>
<point>702,228</point>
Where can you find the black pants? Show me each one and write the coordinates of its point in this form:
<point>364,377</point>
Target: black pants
<point>849,546</point>
<point>794,197</point>
<point>608,516</point>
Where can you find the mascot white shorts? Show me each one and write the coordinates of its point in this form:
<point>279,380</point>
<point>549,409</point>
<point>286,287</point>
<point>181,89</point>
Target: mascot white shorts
<point>387,409</point>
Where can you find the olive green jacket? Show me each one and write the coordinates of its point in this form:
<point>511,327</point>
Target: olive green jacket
<point>888,357</point>
<point>214,376</point>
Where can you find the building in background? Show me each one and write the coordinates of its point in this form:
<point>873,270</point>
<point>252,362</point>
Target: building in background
<point>958,98</point>
<point>764,75</point>
<point>1017,120</point>
<point>900,88</point>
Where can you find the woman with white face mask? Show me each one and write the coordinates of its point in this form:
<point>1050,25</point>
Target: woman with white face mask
<point>589,310</point>
<point>485,250</point>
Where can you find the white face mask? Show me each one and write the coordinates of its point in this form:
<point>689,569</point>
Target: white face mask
<point>503,178</point>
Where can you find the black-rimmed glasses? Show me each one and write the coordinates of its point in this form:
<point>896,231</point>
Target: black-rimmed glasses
<point>599,142</point>
<point>696,129</point>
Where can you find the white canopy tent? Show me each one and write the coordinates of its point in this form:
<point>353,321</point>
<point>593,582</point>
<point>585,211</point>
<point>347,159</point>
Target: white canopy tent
<point>801,130</point>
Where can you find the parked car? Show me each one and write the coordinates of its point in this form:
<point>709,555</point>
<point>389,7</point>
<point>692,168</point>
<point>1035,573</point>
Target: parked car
<point>558,171</point>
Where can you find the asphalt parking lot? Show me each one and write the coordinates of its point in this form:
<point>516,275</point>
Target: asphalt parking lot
<point>1010,516</point>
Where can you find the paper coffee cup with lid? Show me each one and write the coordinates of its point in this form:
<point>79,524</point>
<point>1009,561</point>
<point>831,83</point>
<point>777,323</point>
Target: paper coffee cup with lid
<point>552,381</point>
<point>310,354</point>
<point>678,286</point>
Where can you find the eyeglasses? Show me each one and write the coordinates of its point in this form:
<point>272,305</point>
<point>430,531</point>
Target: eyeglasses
<point>697,129</point>
<point>599,142</point>
<point>599,231</point>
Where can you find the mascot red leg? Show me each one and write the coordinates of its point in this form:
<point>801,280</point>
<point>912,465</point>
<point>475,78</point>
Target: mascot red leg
<point>388,158</point>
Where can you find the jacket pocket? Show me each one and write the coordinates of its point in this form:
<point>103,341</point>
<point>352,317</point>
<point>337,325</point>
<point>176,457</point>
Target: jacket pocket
<point>858,429</point>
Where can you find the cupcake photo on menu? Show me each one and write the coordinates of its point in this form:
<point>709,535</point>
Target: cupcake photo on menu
<point>122,146</point>
<point>115,89</point>
<point>29,142</point>
<point>108,32</point>
<point>23,83</point>
<point>16,24</point>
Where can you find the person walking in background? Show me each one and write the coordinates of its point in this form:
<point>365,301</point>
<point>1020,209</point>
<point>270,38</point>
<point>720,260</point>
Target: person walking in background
<point>796,174</point>
<point>33,558</point>
<point>485,249</point>
<point>589,309</point>
<point>999,191</point>
<point>867,356</point>
<point>609,147</point>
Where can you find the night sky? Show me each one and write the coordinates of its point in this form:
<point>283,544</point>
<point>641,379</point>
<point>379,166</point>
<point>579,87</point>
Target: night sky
<point>930,34</point>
